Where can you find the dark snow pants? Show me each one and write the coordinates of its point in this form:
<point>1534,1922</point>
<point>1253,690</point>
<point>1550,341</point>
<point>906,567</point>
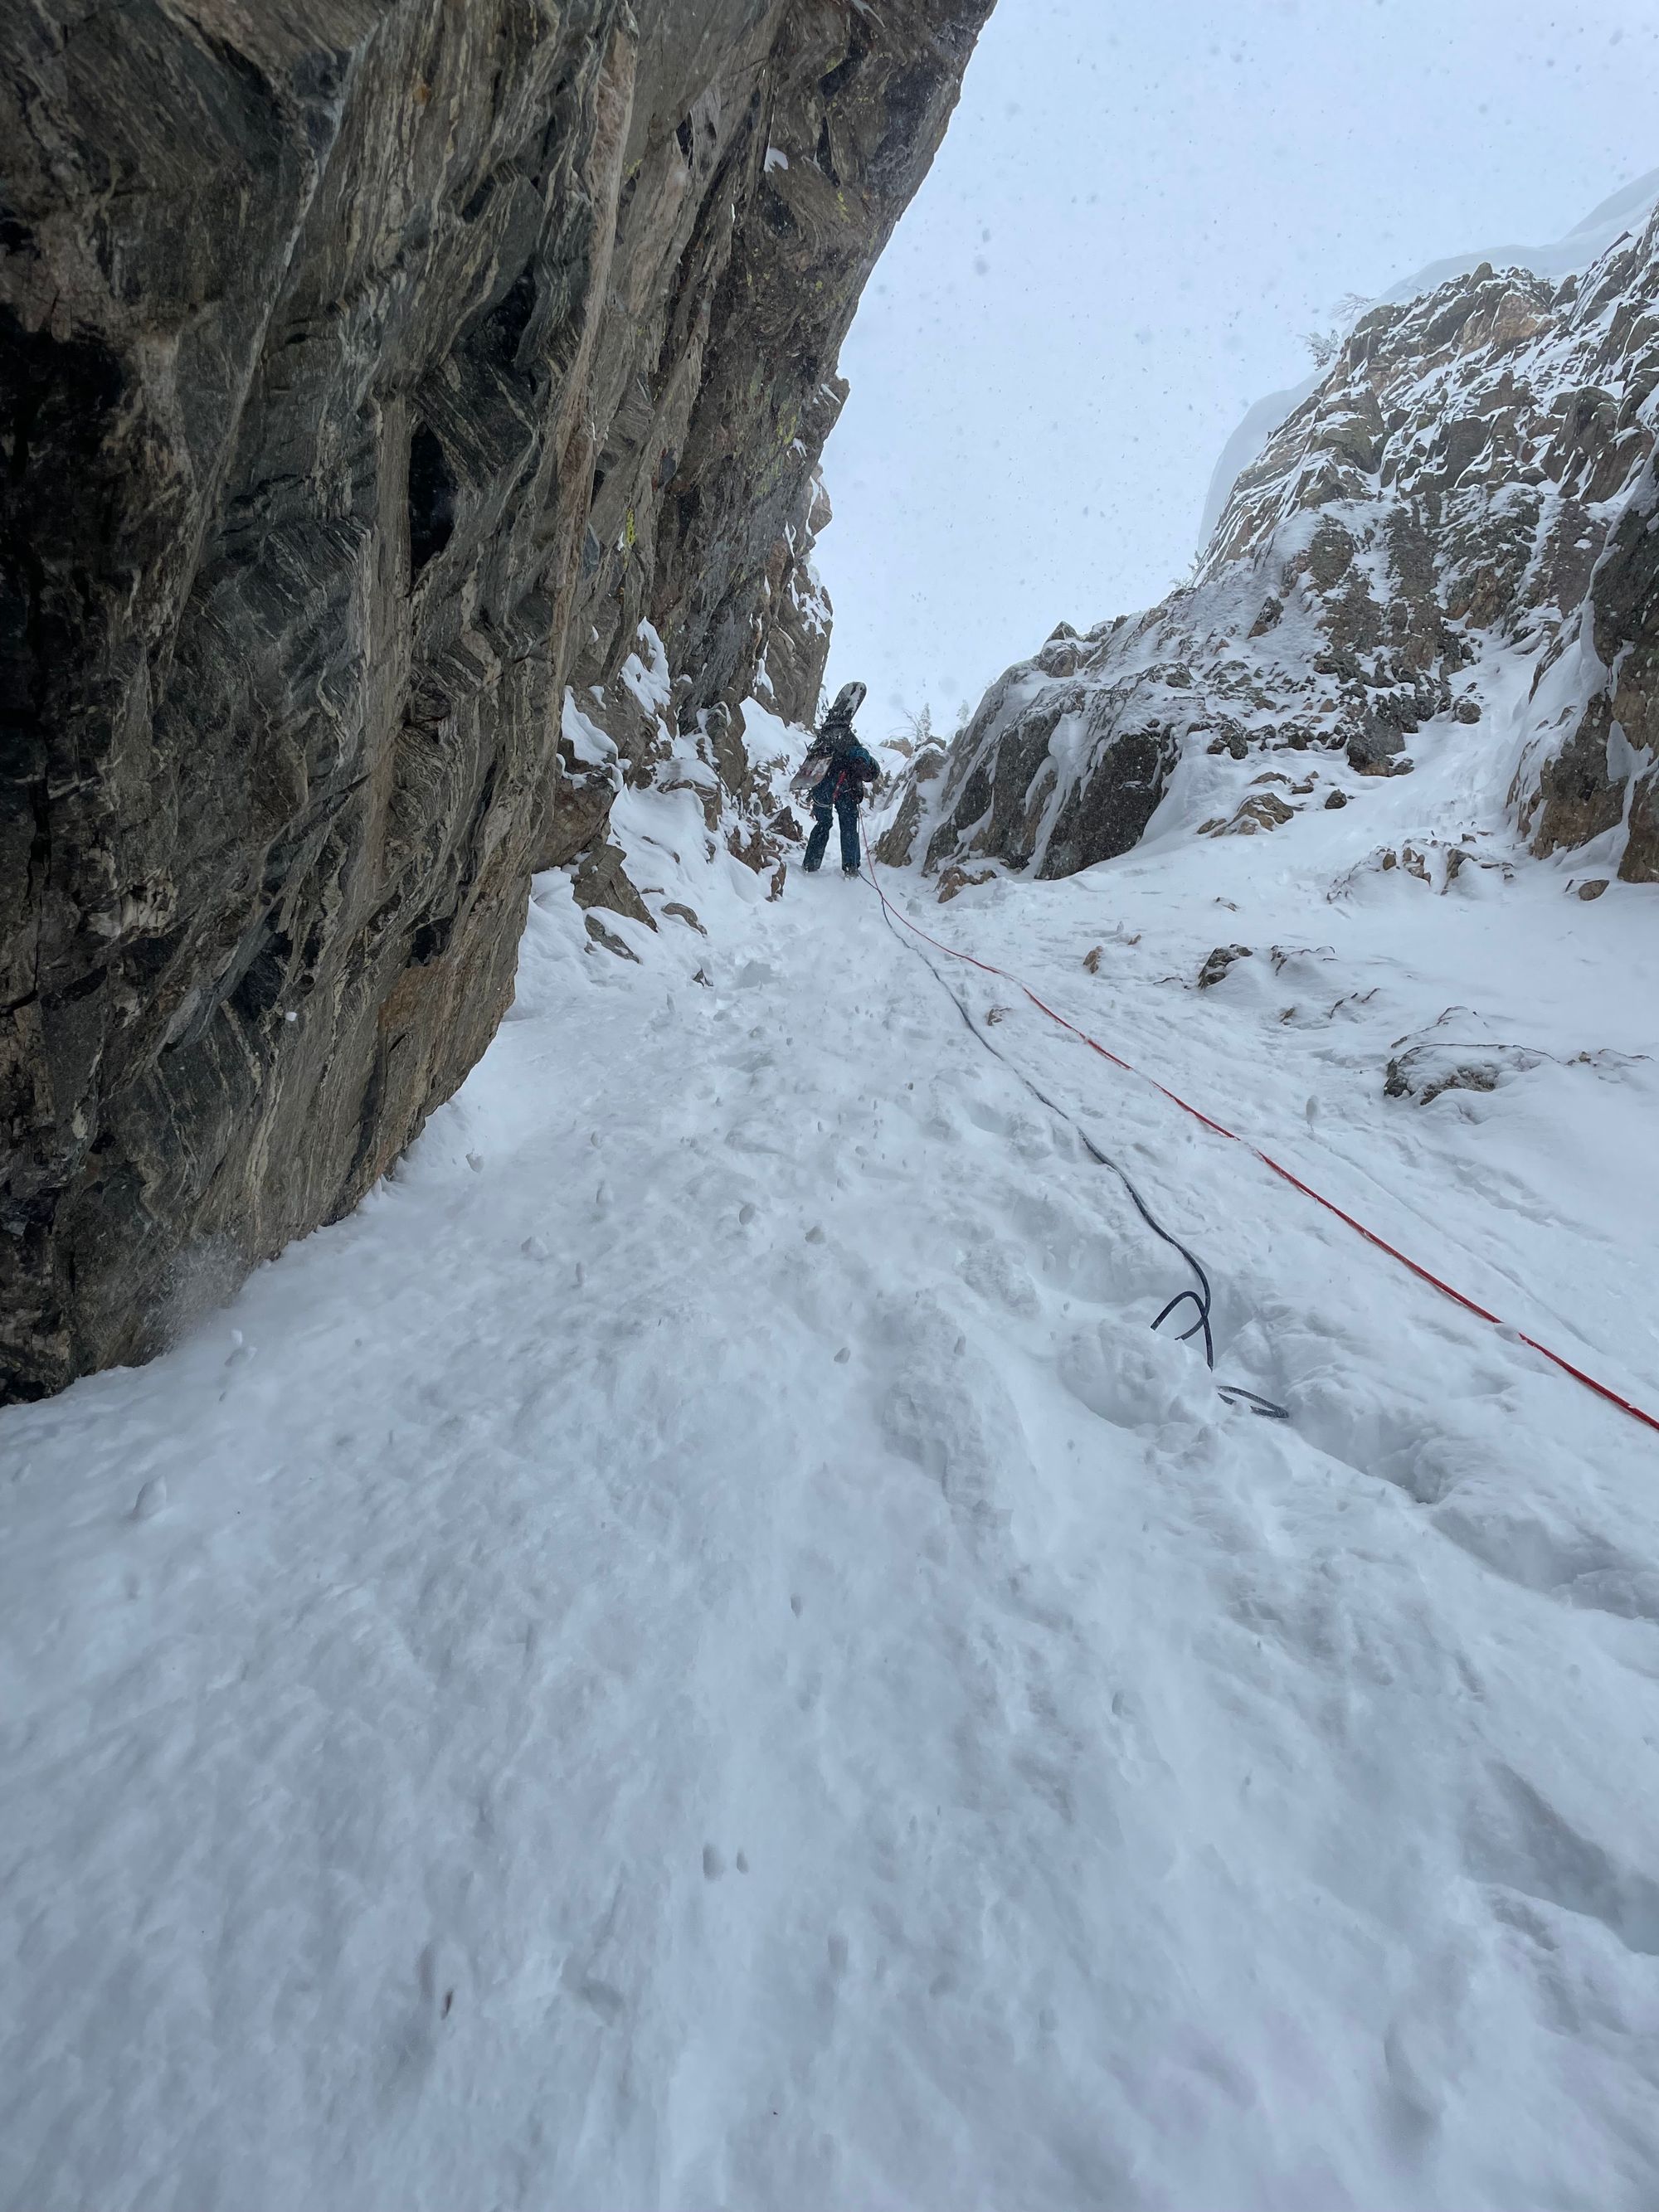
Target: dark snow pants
<point>847,809</point>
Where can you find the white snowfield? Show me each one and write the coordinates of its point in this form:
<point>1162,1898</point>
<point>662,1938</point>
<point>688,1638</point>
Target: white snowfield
<point>698,1653</point>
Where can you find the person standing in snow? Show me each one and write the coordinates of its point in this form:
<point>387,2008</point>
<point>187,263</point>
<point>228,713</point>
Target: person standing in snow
<point>835,778</point>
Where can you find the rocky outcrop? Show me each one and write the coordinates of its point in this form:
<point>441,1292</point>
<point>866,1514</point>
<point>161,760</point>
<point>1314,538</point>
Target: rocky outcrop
<point>1460,513</point>
<point>370,370</point>
<point>1604,779</point>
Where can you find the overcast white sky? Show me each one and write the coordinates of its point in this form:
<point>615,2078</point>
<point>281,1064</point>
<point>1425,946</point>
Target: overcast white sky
<point>1138,209</point>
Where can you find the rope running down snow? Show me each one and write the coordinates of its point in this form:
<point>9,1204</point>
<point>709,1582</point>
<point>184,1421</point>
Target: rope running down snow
<point>1458,1297</point>
<point>1202,1297</point>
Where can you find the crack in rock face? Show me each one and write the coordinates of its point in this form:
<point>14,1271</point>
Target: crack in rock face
<point>369,373</point>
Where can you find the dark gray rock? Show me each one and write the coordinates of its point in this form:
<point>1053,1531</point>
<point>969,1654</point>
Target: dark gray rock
<point>1218,962</point>
<point>1375,746</point>
<point>369,369</point>
<point>1003,793</point>
<point>1613,754</point>
<point>1106,812</point>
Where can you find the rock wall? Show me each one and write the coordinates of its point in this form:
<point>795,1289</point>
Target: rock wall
<point>1461,511</point>
<point>370,369</point>
<point>1603,780</point>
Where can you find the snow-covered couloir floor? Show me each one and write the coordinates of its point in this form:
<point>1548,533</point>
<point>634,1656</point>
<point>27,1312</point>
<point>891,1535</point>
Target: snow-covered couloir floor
<point>698,1653</point>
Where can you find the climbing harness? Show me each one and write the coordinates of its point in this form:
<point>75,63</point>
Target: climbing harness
<point>1458,1297</point>
<point>1202,1297</point>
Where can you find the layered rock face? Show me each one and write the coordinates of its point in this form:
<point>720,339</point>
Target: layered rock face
<point>369,369</point>
<point>1451,542</point>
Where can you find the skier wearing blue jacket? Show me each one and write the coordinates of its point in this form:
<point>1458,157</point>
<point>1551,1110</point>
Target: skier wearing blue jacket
<point>835,779</point>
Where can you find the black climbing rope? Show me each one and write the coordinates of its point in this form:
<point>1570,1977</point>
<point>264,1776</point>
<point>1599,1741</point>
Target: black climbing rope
<point>1200,1298</point>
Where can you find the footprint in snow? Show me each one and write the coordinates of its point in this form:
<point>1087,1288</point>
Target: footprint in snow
<point>996,1271</point>
<point>1551,1553</point>
<point>1133,1379</point>
<point>409,2052</point>
<point>600,1997</point>
<point>1523,1843</point>
<point>966,1436</point>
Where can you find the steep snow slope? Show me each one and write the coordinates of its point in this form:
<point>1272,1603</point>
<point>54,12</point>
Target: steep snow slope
<point>1464,501</point>
<point>698,1651</point>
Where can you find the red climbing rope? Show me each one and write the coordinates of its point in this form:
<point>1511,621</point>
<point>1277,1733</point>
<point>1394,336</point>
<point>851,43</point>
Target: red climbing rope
<point>1424,1275</point>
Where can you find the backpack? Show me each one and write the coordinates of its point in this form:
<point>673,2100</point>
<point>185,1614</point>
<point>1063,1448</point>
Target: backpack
<point>829,753</point>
